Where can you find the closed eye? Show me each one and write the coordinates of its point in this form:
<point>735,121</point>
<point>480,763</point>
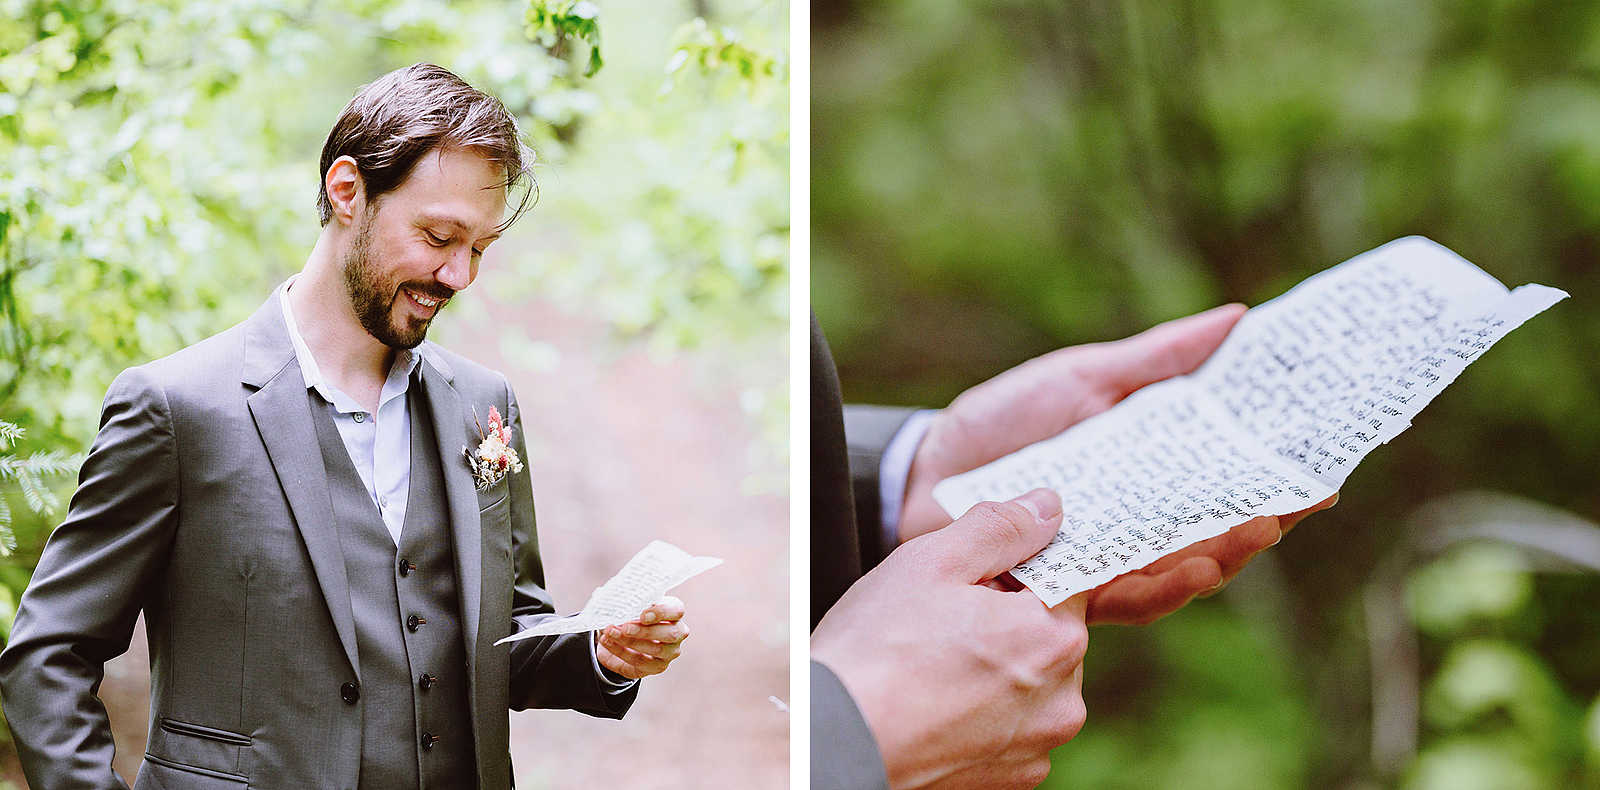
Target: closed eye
<point>435,240</point>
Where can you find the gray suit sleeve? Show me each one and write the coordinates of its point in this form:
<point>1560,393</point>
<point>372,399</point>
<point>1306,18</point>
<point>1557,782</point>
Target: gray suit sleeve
<point>867,432</point>
<point>547,671</point>
<point>844,755</point>
<point>80,607</point>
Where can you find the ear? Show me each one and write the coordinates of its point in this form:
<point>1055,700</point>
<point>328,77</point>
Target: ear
<point>346,190</point>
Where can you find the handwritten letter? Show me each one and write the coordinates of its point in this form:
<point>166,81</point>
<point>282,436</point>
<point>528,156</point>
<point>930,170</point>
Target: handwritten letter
<point>1303,388</point>
<point>656,569</point>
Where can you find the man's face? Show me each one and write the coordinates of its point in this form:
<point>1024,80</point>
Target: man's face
<point>420,243</point>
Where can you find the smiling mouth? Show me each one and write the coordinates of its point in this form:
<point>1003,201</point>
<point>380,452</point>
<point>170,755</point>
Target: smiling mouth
<point>425,301</point>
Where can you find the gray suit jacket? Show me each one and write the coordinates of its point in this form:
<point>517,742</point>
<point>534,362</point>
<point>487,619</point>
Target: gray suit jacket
<point>203,503</point>
<point>847,540</point>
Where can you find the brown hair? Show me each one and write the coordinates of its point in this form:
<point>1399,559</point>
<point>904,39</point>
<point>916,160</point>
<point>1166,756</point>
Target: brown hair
<point>398,118</point>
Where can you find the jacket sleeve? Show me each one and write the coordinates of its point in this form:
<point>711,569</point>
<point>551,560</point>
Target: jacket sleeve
<point>844,755</point>
<point>547,671</point>
<point>80,607</point>
<point>847,445</point>
<point>867,433</point>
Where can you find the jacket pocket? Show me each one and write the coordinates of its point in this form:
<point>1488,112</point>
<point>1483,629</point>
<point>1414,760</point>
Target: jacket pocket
<point>194,755</point>
<point>185,728</point>
<point>499,504</point>
<point>161,774</point>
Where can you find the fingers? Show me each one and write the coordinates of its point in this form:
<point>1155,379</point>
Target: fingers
<point>994,536</point>
<point>1231,550</point>
<point>666,610</point>
<point>1142,598</point>
<point>1164,586</point>
<point>1288,522</point>
<point>661,632</point>
<point>634,658</point>
<point>648,644</point>
<point>1161,352</point>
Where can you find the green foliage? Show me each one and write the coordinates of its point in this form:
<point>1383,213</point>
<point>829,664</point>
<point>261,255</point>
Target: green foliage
<point>553,24</point>
<point>158,171</point>
<point>28,474</point>
<point>996,179</point>
<point>713,49</point>
<point>678,232</point>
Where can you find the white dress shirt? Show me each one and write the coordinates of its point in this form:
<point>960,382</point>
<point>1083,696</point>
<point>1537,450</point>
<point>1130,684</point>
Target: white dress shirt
<point>379,442</point>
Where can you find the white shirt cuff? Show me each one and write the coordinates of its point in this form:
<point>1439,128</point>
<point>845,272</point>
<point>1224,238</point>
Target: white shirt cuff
<point>894,469</point>
<point>607,684</point>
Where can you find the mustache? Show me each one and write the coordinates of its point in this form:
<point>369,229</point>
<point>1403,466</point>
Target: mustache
<point>430,290</point>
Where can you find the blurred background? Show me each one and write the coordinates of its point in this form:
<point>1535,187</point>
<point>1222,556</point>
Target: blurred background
<point>997,178</point>
<point>158,176</point>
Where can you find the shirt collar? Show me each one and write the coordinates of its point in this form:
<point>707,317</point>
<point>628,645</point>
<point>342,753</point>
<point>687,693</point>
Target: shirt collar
<point>405,362</point>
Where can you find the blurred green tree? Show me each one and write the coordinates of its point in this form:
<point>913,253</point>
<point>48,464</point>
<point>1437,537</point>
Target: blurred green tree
<point>158,172</point>
<point>996,178</point>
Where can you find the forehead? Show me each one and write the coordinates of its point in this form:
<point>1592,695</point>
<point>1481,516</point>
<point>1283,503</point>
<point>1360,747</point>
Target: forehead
<point>454,186</point>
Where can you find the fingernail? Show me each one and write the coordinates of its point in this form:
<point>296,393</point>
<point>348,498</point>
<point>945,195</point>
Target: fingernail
<point>631,630</point>
<point>1043,503</point>
<point>649,617</point>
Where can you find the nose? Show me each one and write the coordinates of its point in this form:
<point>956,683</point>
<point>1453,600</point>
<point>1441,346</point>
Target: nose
<point>458,270</point>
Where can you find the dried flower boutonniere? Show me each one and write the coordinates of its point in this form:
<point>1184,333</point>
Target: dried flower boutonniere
<point>494,458</point>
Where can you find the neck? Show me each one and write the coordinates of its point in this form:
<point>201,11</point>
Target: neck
<point>349,357</point>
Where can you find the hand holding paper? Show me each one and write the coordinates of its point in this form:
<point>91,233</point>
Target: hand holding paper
<point>1302,389</point>
<point>1041,398</point>
<point>647,577</point>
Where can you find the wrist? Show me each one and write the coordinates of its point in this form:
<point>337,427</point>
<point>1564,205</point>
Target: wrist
<point>920,513</point>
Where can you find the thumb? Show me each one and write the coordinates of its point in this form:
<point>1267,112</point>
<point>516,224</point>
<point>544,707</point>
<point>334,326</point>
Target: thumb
<point>1161,352</point>
<point>992,537</point>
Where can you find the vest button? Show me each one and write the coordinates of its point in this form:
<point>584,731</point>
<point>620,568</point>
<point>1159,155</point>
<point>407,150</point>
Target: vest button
<point>406,567</point>
<point>429,740</point>
<point>350,693</point>
<point>427,681</point>
<point>413,621</point>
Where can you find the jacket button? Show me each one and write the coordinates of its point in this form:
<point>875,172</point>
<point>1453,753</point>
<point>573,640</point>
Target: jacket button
<point>350,693</point>
<point>429,740</point>
<point>406,567</point>
<point>427,681</point>
<point>413,621</point>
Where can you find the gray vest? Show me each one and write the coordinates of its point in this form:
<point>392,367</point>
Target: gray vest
<point>415,715</point>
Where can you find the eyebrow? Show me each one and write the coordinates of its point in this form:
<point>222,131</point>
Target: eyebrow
<point>440,219</point>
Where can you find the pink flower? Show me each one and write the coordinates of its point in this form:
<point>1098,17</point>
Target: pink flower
<point>495,457</point>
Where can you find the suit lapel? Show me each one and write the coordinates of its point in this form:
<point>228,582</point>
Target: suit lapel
<point>450,429</point>
<point>281,409</point>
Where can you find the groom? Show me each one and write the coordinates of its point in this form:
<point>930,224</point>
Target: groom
<point>322,573</point>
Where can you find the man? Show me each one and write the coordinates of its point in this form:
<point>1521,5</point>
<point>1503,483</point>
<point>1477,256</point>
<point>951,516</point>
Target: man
<point>322,569</point>
<point>928,671</point>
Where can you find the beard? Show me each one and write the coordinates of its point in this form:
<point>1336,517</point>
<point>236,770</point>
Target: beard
<point>374,304</point>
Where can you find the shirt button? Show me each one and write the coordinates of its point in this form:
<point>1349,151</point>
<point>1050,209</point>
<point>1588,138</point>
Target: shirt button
<point>361,416</point>
<point>383,501</point>
<point>413,621</point>
<point>350,693</point>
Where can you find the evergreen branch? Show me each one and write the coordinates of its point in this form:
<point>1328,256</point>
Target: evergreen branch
<point>9,434</point>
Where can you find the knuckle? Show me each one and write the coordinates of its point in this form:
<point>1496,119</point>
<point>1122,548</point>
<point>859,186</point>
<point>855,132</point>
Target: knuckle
<point>1004,514</point>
